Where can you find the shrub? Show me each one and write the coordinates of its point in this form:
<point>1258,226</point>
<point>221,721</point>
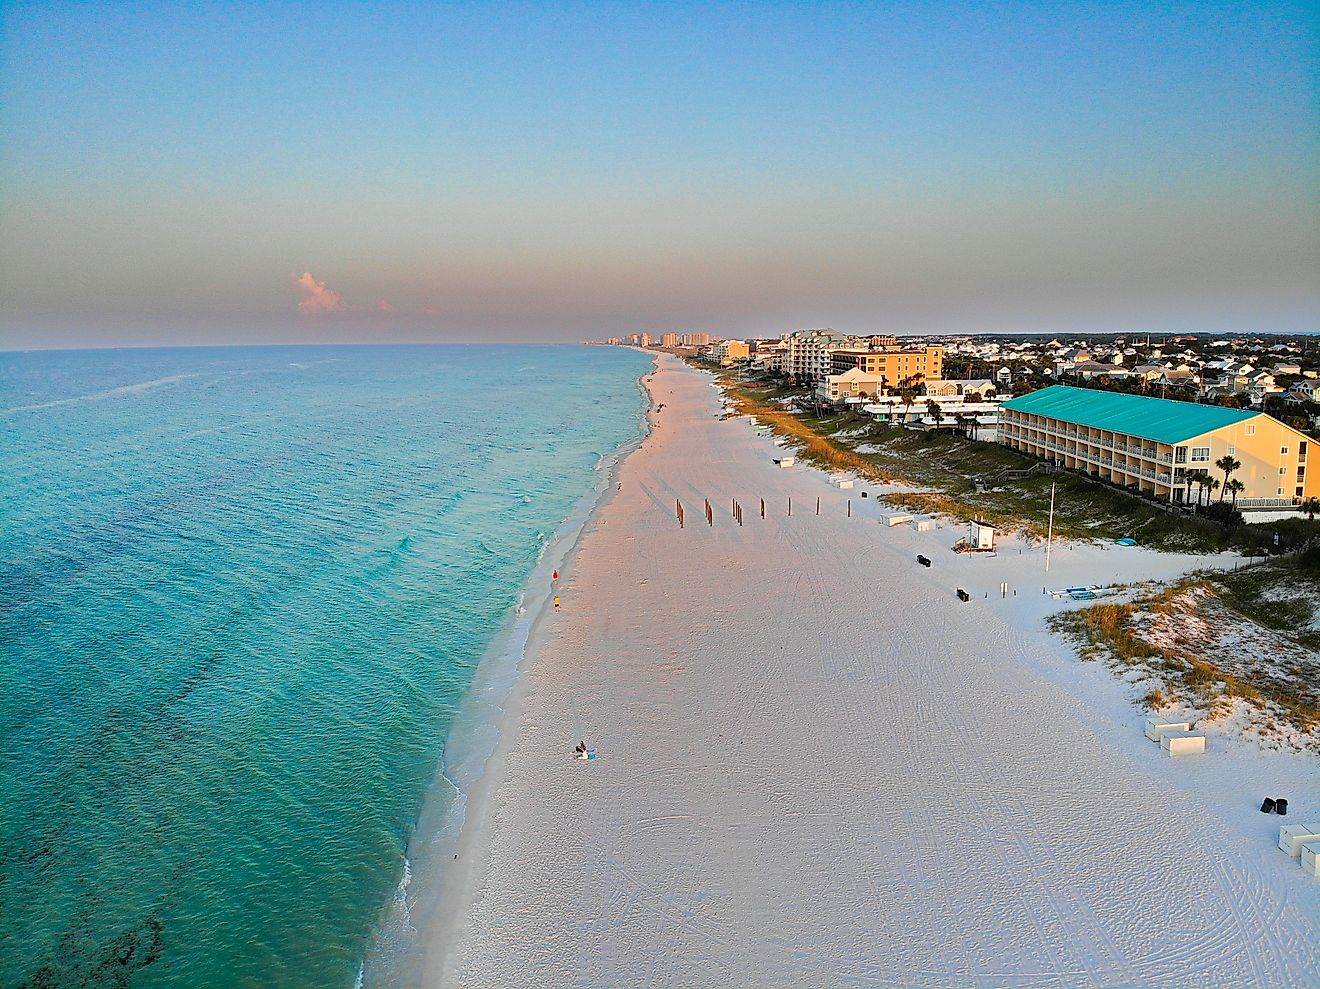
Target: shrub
<point>1222,512</point>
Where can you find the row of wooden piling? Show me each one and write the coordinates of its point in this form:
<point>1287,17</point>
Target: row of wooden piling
<point>736,510</point>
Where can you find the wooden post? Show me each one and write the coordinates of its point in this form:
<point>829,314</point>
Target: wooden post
<point>710,516</point>
<point>817,506</point>
<point>790,505</point>
<point>849,508</point>
<point>678,508</point>
<point>762,508</point>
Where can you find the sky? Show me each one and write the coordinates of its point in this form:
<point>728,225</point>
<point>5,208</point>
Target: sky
<point>229,173</point>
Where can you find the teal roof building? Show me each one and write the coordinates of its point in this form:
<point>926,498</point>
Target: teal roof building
<point>1161,448</point>
<point>1159,420</point>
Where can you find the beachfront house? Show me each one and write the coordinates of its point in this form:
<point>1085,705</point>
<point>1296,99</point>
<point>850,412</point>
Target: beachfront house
<point>853,383</point>
<point>970,388</point>
<point>1153,445</point>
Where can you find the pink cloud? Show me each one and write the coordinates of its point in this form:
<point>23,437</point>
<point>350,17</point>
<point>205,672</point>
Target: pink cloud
<point>317,298</point>
<point>383,306</point>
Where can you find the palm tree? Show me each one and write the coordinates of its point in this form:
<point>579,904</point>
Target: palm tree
<point>933,410</point>
<point>1234,486</point>
<point>1190,478</point>
<point>1227,464</point>
<point>1311,506</point>
<point>1211,484</point>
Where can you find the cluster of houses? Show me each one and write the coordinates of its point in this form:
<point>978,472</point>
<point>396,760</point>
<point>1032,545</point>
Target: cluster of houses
<point>1192,430</point>
<point>1244,370</point>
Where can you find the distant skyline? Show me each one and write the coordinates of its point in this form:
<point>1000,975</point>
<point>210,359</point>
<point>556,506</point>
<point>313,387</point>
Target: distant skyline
<point>217,173</point>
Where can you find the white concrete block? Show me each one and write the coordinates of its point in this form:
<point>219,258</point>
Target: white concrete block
<point>924,525</point>
<point>1293,836</point>
<point>897,518</point>
<point>1157,725</point>
<point>787,461</point>
<point>1182,743</point>
<point>1311,859</point>
<point>844,485</point>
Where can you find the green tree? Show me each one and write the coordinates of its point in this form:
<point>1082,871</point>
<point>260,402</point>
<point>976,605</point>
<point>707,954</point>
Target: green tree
<point>1233,486</point>
<point>1228,464</point>
<point>1190,478</point>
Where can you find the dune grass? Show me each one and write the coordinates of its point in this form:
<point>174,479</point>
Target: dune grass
<point>1281,677</point>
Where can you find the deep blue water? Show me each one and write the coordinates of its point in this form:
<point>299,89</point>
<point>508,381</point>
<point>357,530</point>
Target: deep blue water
<point>242,592</point>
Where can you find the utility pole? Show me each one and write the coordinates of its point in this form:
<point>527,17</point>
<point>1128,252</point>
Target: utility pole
<point>1049,536</point>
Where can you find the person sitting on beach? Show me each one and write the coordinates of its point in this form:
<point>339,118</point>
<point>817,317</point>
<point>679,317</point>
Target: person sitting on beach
<point>581,747</point>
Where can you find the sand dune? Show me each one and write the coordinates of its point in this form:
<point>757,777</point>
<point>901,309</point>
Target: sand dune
<point>818,768</point>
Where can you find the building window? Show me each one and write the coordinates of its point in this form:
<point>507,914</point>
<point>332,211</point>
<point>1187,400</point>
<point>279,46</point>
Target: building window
<point>1180,455</point>
<point>1301,472</point>
<point>1299,492</point>
<point>1282,471</point>
<point>1251,429</point>
<point>1301,450</point>
<point>1283,450</point>
<point>1200,454</point>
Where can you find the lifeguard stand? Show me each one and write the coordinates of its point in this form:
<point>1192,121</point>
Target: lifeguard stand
<point>982,535</point>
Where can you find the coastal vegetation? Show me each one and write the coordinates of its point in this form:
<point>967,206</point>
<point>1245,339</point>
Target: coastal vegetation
<point>1214,642</point>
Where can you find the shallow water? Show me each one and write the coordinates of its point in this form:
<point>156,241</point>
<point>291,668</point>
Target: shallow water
<point>242,592</point>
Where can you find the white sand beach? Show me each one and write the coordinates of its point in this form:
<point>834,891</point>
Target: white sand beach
<point>819,768</point>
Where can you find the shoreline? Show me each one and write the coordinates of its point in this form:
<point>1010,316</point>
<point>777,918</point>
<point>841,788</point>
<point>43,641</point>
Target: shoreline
<point>439,864</point>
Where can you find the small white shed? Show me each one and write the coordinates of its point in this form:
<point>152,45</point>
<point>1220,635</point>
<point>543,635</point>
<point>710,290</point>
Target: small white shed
<point>786,461</point>
<point>1293,836</point>
<point>924,524</point>
<point>982,535</point>
<point>844,483</point>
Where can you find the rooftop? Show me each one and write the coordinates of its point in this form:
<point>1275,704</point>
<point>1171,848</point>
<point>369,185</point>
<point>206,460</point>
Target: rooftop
<point>1159,419</point>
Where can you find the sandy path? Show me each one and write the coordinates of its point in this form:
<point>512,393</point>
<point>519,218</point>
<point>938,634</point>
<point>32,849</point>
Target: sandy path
<point>818,768</point>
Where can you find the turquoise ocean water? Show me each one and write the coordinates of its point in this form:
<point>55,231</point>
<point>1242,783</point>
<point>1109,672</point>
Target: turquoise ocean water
<point>242,593</point>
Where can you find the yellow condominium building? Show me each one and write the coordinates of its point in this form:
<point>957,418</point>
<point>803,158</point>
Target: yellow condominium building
<point>918,364</point>
<point>730,350</point>
<point>1151,444</point>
